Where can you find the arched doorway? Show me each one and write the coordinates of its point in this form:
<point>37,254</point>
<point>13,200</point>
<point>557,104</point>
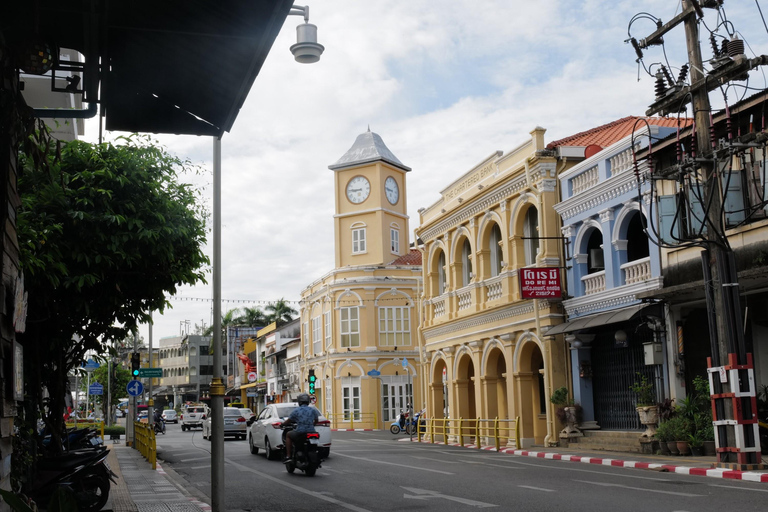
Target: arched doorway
<point>439,404</point>
<point>465,388</point>
<point>496,384</point>
<point>532,393</point>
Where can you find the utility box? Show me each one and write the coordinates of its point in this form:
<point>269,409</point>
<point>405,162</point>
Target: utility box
<point>653,353</point>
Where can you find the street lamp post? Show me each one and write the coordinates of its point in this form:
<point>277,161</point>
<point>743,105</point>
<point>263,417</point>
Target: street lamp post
<point>306,50</point>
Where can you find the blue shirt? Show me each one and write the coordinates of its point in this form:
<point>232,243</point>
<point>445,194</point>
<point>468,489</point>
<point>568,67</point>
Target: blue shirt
<point>305,417</point>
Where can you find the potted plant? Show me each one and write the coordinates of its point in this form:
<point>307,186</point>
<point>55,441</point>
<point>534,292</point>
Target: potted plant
<point>664,435</point>
<point>696,442</point>
<point>114,432</point>
<point>568,412</point>
<point>646,405</point>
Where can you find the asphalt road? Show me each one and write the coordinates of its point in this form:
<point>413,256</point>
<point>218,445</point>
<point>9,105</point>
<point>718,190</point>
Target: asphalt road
<point>372,471</point>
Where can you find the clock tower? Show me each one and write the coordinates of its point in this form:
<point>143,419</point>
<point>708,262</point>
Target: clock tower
<point>371,220</point>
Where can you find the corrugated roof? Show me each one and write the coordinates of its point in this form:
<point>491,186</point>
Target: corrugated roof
<point>613,132</point>
<point>368,147</point>
<point>412,258</point>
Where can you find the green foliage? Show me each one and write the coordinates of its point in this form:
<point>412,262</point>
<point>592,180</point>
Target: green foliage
<point>105,232</point>
<point>665,431</point>
<point>643,388</point>
<point>114,430</point>
<point>560,397</point>
<point>15,502</point>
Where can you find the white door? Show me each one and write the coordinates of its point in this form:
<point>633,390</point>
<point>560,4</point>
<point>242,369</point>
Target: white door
<point>395,397</point>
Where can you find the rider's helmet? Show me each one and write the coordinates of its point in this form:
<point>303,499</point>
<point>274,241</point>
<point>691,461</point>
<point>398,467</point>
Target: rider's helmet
<point>303,399</point>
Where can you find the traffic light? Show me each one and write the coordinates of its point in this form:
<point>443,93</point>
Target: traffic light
<point>135,364</point>
<point>312,380</point>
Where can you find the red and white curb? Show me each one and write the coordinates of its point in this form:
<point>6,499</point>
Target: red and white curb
<point>750,476</point>
<point>354,430</point>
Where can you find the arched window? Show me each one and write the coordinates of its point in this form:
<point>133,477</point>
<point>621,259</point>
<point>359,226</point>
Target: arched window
<point>441,283</point>
<point>495,250</point>
<point>466,263</point>
<point>531,235</point>
<point>637,240</point>
<point>595,260</point>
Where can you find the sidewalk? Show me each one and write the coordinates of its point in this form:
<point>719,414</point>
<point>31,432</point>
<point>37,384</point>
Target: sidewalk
<point>139,488</point>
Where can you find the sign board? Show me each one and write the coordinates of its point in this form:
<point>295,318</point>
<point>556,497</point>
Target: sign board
<point>151,373</point>
<point>90,365</point>
<point>95,389</point>
<point>251,394</point>
<point>374,373</point>
<point>405,363</point>
<point>135,388</point>
<point>540,283</point>
<point>252,377</point>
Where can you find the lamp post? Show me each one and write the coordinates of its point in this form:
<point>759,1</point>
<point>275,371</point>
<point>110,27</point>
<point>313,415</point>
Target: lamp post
<point>306,51</point>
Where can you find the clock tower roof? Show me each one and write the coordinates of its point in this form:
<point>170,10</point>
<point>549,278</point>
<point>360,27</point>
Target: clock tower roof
<point>368,147</point>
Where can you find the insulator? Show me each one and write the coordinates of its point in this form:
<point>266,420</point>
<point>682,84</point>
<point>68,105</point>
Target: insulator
<point>683,74</point>
<point>713,43</point>
<point>668,76</point>
<point>735,47</point>
<point>724,47</point>
<point>661,87</point>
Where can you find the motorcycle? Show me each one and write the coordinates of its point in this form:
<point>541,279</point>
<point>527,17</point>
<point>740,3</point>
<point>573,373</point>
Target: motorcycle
<point>83,473</point>
<point>405,424</point>
<point>76,439</point>
<point>160,427</point>
<point>304,454</point>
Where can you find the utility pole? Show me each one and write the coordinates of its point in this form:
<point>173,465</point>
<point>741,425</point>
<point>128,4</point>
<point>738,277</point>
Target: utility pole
<point>727,345</point>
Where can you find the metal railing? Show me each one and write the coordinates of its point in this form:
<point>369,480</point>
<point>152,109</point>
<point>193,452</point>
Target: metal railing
<point>340,418</point>
<point>479,431</point>
<point>145,442</point>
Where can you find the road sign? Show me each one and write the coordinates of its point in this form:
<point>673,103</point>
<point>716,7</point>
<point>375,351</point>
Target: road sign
<point>135,388</point>
<point>405,363</point>
<point>374,373</point>
<point>95,389</point>
<point>150,373</point>
<point>90,365</point>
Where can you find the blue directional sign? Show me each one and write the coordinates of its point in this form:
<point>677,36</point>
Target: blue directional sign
<point>405,362</point>
<point>95,389</point>
<point>374,373</point>
<point>135,388</point>
<point>90,365</point>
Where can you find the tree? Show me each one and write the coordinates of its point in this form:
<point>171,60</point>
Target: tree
<point>253,317</point>
<point>227,319</point>
<point>120,378</point>
<point>105,232</point>
<point>280,311</point>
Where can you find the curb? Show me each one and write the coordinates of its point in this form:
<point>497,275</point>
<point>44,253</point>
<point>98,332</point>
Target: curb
<point>730,474</point>
<point>355,430</point>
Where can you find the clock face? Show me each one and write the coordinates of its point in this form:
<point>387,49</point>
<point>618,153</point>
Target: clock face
<point>358,189</point>
<point>392,190</point>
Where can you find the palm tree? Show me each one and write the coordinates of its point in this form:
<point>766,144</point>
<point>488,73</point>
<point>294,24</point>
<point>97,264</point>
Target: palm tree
<point>229,318</point>
<point>253,317</point>
<point>280,311</point>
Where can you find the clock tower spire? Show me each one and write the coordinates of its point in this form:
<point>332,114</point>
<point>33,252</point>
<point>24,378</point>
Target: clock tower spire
<point>371,220</point>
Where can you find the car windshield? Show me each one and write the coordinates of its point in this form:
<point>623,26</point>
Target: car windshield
<point>195,409</point>
<point>232,412</point>
<point>283,411</point>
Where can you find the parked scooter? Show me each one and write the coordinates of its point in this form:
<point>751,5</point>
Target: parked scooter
<point>76,439</point>
<point>304,454</point>
<point>405,424</point>
<point>85,473</point>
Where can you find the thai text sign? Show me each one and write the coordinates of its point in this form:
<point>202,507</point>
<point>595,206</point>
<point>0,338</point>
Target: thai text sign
<point>540,283</point>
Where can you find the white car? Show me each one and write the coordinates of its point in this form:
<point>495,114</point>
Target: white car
<point>234,424</point>
<point>193,417</point>
<point>265,432</point>
<point>169,416</point>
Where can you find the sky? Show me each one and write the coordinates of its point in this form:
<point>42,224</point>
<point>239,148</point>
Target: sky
<point>445,84</point>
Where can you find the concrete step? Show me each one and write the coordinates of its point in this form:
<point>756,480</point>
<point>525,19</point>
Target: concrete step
<point>608,440</point>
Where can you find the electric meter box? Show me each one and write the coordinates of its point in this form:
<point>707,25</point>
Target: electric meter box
<point>653,353</point>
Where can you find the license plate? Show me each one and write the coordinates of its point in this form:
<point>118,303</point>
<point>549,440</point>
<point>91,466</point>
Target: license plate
<point>314,441</point>
<point>229,422</point>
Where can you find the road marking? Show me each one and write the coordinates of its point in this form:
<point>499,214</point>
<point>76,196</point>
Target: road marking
<point>644,489</point>
<point>488,464</point>
<point>318,495</point>
<point>200,467</point>
<point>739,488</point>
<point>536,488</point>
<point>441,461</point>
<point>196,458</point>
<point>366,459</point>
<point>424,494</point>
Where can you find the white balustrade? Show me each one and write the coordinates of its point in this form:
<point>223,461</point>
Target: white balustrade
<point>439,308</point>
<point>585,180</point>
<point>637,271</point>
<point>594,283</point>
<point>465,299</point>
<point>493,290</point>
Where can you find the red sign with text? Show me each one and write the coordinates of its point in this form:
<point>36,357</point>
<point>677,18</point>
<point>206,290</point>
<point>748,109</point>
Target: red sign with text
<point>540,283</point>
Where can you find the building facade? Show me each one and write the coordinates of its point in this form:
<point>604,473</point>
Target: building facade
<point>359,322</point>
<point>187,364</point>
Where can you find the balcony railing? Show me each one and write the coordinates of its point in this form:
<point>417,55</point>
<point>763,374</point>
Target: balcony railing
<point>594,283</point>
<point>465,299</point>
<point>637,271</point>
<point>493,289</point>
<point>439,306</point>
<point>585,180</point>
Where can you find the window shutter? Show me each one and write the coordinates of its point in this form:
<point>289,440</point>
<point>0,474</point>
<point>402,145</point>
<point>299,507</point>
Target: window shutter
<point>733,205</point>
<point>669,226</point>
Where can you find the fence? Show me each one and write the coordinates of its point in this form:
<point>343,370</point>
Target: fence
<point>337,419</point>
<point>145,442</point>
<point>480,431</point>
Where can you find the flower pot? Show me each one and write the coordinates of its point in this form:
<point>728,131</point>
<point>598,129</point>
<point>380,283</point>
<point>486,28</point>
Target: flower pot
<point>697,451</point>
<point>649,416</point>
<point>664,448</point>
<point>683,447</point>
<point>672,445</point>
<point>709,449</point>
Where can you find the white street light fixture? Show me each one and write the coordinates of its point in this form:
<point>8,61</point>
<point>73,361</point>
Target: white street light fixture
<point>306,50</point>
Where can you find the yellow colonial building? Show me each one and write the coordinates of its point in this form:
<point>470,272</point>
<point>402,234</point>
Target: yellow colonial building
<point>360,321</point>
<point>485,350</point>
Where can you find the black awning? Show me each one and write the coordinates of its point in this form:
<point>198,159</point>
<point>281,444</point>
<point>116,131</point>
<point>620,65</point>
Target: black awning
<point>598,319</point>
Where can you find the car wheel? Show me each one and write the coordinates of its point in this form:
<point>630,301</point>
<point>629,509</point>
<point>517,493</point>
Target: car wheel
<point>253,447</point>
<point>183,428</point>
<point>268,451</point>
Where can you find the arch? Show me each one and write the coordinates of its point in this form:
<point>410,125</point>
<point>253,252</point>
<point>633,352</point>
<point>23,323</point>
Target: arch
<point>490,217</point>
<point>620,224</point>
<point>464,384</point>
<point>392,291</point>
<point>340,299</point>
<point>490,244</point>
<point>354,364</point>
<point>358,224</point>
<point>411,367</point>
<point>438,401</point>
<point>494,369</point>
<point>491,344</point>
<point>532,388</point>
<point>580,244</point>
<point>436,273</point>
<point>518,207</point>
<point>394,225</point>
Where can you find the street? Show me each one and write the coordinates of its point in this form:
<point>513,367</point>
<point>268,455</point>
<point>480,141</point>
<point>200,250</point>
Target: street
<point>372,471</point>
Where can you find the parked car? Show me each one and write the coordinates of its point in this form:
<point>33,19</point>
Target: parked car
<point>193,416</point>
<point>246,412</point>
<point>265,432</point>
<point>142,416</point>
<point>234,424</point>
<point>169,416</point>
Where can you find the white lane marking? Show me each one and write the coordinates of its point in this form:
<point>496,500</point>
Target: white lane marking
<point>739,488</point>
<point>201,467</point>
<point>196,458</point>
<point>423,494</point>
<point>318,495</point>
<point>488,464</point>
<point>366,459</point>
<point>644,489</point>
<point>442,461</point>
<point>536,488</point>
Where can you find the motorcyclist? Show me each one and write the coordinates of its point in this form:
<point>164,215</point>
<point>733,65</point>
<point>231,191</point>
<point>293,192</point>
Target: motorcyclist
<point>159,423</point>
<point>305,418</point>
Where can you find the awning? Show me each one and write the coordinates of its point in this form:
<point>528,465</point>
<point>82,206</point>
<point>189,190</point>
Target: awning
<point>598,319</point>
<point>254,385</point>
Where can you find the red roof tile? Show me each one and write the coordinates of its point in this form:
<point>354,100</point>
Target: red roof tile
<point>412,258</point>
<point>613,132</point>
